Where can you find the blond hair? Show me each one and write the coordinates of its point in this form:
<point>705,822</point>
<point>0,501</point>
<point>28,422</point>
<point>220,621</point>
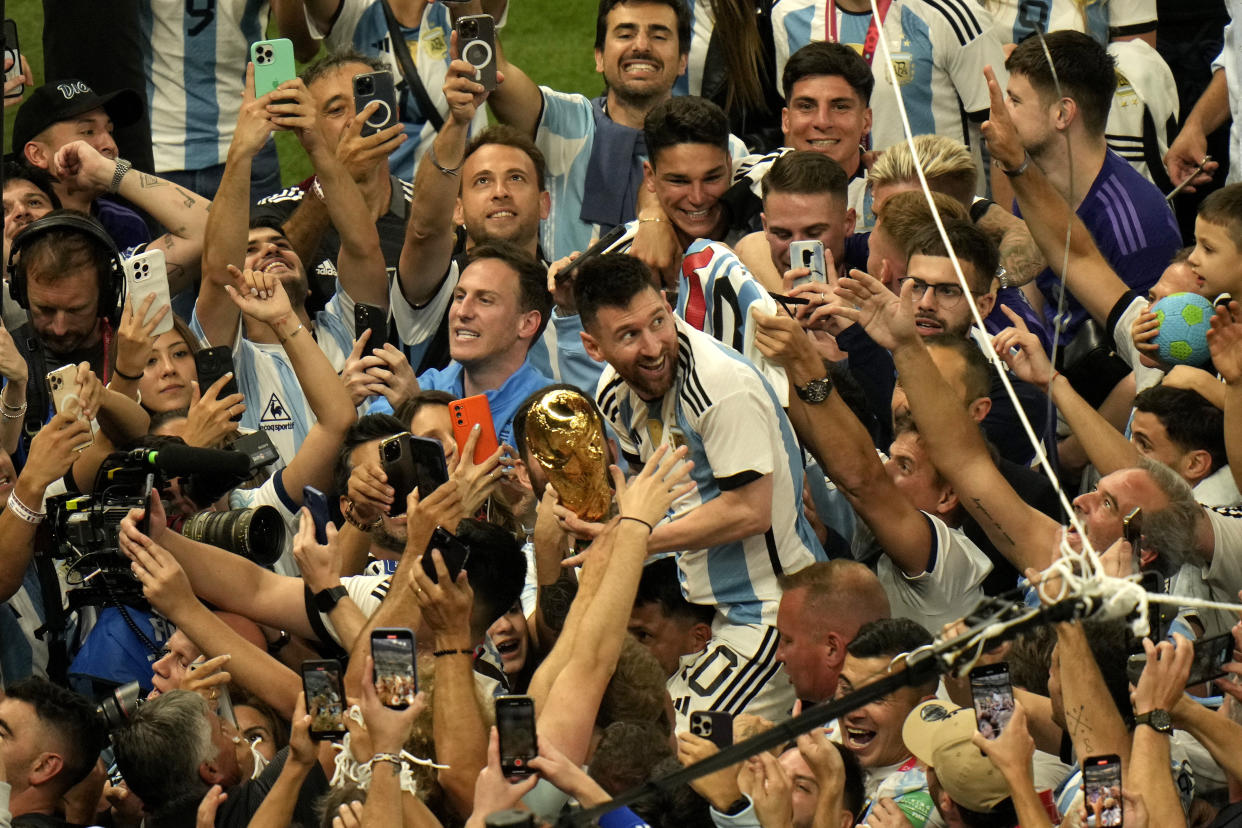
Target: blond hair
<point>946,164</point>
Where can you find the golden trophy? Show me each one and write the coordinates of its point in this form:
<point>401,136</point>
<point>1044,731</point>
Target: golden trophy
<point>565,434</point>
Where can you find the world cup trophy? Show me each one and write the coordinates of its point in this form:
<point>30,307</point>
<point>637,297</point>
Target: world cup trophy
<point>565,434</point>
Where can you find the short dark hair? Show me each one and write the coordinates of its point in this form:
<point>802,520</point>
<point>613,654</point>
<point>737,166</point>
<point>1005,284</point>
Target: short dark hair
<point>58,250</point>
<point>268,222</point>
<point>496,569</point>
<point>425,398</point>
<point>532,278</point>
<point>969,243</point>
<point>678,6</point>
<point>888,638</point>
<point>685,119</point>
<point>824,58</point>
<point>369,427</point>
<point>508,136</point>
<point>1224,207</point>
<point>336,59</point>
<point>1192,422</point>
<point>1000,815</point>
<point>977,373</point>
<point>659,584</point>
<point>1085,70</point>
<point>806,173</point>
<point>609,281</point>
<point>72,717</point>
<point>41,179</point>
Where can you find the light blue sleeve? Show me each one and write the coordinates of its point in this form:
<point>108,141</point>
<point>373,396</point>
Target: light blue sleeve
<point>747,818</point>
<point>565,136</point>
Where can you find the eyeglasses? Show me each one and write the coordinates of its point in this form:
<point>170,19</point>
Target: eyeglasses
<point>948,295</point>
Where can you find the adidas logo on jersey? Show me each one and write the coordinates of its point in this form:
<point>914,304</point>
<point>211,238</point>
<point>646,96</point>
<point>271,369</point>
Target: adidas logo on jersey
<point>326,268</point>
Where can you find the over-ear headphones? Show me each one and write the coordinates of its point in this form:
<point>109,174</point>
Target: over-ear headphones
<point>111,283</point>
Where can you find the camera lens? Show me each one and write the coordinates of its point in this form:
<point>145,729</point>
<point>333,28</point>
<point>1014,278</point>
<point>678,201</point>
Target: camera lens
<point>392,451</point>
<point>256,534</point>
<point>470,28</point>
<point>366,85</point>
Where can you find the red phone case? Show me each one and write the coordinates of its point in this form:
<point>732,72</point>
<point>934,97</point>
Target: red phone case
<point>465,413</point>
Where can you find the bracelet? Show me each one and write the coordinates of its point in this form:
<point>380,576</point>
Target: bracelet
<point>650,528</point>
<point>435,162</point>
<point>357,524</point>
<point>23,511</point>
<point>296,331</point>
<point>124,375</point>
<point>1026,162</point>
<point>394,758</point>
<point>12,412</point>
<point>439,653</point>
<point>645,220</point>
<point>122,167</point>
<point>1053,378</point>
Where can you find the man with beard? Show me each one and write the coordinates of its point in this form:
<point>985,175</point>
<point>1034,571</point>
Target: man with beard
<point>669,384</point>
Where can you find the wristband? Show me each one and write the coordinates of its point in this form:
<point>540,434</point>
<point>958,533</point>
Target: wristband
<point>122,167</point>
<point>296,331</point>
<point>394,758</point>
<point>1026,162</point>
<point>435,162</point>
<point>650,528</point>
<point>23,511</point>
<point>12,412</point>
<point>439,653</point>
<point>124,375</point>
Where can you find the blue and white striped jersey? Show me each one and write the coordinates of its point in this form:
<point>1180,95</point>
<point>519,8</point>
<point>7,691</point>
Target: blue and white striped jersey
<point>361,24</point>
<point>275,402</point>
<point>195,54</point>
<point>1015,20</point>
<point>732,421</point>
<point>702,24</point>
<point>939,49</point>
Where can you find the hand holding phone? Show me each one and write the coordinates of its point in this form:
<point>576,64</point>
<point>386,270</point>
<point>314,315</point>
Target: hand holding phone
<point>515,726</point>
<point>453,552</point>
<point>325,698</point>
<point>1101,782</point>
<point>713,725</point>
<point>145,275</point>
<point>810,255</point>
<point>273,64</point>
<point>465,414</point>
<point>395,674</point>
<point>476,43</point>
<point>212,363</point>
<point>317,504</point>
<point>992,695</point>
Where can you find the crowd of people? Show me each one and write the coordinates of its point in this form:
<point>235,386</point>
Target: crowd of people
<point>825,331</point>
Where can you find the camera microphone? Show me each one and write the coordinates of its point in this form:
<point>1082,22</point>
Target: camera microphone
<point>174,459</point>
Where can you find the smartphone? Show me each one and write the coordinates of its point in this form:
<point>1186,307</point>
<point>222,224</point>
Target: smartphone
<point>412,463</point>
<point>1101,781</point>
<point>808,254</point>
<point>273,64</point>
<point>315,501</point>
<point>396,680</point>
<point>12,52</point>
<point>325,698</point>
<point>374,319</point>
<point>992,694</point>
<point>147,274</point>
<point>376,86</point>
<point>713,725</point>
<point>213,363</point>
<point>1159,616</point>
<point>1211,656</point>
<point>465,413</point>
<point>62,384</point>
<point>454,552</point>
<point>1132,529</point>
<point>224,706</point>
<point>476,43</point>
<point>515,724</point>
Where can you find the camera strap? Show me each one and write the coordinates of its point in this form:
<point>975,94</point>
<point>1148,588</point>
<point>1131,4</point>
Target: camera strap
<point>409,71</point>
<point>55,620</point>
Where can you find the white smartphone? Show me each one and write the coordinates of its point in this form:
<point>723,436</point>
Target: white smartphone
<point>147,274</point>
<point>62,384</point>
<point>808,254</point>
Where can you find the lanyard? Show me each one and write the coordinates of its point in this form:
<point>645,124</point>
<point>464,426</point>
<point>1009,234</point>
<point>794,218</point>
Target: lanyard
<point>873,31</point>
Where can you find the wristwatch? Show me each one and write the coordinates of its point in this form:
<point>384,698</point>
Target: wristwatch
<point>815,391</point>
<point>327,599</point>
<point>1158,720</point>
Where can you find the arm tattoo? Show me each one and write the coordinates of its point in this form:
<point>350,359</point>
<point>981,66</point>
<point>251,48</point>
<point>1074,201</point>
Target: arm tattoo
<point>995,525</point>
<point>189,199</point>
<point>148,181</point>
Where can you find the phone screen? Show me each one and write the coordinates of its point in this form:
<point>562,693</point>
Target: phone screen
<point>1101,777</point>
<point>515,725</point>
<point>992,695</point>
<point>396,681</point>
<point>325,698</point>
<point>1211,655</point>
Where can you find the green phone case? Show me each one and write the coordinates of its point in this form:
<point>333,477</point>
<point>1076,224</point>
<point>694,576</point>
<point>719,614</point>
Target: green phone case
<point>273,64</point>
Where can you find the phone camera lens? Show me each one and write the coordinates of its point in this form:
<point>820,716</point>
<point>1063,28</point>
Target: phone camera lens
<point>470,28</point>
<point>366,85</point>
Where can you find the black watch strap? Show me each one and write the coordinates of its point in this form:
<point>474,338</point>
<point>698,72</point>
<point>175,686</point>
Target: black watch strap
<point>737,806</point>
<point>327,599</point>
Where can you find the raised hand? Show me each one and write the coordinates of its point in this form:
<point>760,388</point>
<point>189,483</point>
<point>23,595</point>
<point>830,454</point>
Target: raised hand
<point>292,108</point>
<point>783,341</point>
<point>254,123</point>
<point>463,93</point>
<point>768,785</point>
<point>1021,350</point>
<point>888,319</point>
<point>1225,342</point>
<point>998,130</point>
<point>662,481</point>
<point>391,375</point>
<point>477,481</point>
<point>164,582</point>
<point>388,728</point>
<point>12,365</point>
<point>360,153</point>
<point>210,418</point>
<point>320,564</point>
<point>26,79</point>
<point>1164,677</point>
<point>135,337</point>
<point>258,295</point>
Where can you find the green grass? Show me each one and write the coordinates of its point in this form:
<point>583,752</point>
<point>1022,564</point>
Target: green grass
<point>550,39</point>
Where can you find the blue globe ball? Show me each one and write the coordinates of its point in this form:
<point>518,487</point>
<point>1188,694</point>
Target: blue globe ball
<point>1184,323</point>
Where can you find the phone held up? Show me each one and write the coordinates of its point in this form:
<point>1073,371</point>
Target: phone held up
<point>396,679</point>
<point>325,698</point>
<point>515,725</point>
<point>992,695</point>
<point>1101,776</point>
<point>476,43</point>
<point>713,725</point>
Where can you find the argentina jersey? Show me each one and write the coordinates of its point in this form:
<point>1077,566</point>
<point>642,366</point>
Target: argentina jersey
<point>194,56</point>
<point>702,24</point>
<point>938,47</point>
<point>730,419</point>
<point>1016,20</point>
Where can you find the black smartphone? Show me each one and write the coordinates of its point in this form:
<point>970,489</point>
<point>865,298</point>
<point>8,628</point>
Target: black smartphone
<point>454,552</point>
<point>144,525</point>
<point>1101,781</point>
<point>213,363</point>
<point>374,319</point>
<point>376,86</point>
<point>1211,656</point>
<point>992,695</point>
<point>396,680</point>
<point>515,724</point>
<point>12,52</point>
<point>317,503</point>
<point>476,43</point>
<point>412,462</point>
<point>1132,529</point>
<point>713,725</point>
<point>325,698</point>
<point>598,249</point>
<point>1159,616</point>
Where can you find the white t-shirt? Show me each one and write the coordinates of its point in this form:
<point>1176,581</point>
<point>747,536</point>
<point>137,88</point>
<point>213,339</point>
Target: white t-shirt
<point>1223,574</point>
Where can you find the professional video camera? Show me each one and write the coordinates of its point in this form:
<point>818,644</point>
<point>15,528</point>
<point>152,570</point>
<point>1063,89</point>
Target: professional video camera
<point>86,528</point>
